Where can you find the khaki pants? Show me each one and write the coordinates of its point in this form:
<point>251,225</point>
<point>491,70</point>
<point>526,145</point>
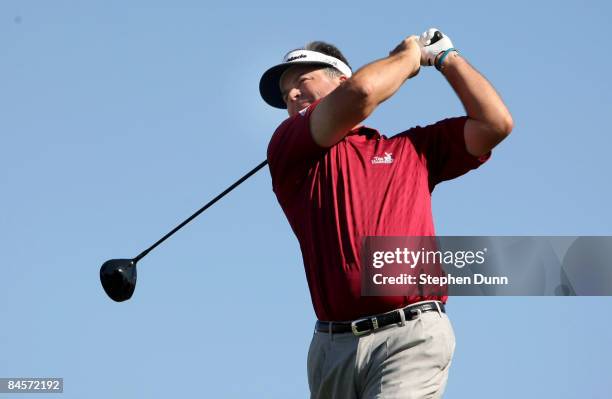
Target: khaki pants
<point>394,362</point>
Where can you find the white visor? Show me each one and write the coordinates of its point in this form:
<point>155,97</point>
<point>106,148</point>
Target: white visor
<point>269,85</point>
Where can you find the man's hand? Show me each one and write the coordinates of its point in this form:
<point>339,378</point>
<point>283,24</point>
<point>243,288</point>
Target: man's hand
<point>409,47</point>
<point>433,42</point>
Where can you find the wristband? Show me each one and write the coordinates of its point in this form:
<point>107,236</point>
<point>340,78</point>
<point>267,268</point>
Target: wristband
<point>438,64</point>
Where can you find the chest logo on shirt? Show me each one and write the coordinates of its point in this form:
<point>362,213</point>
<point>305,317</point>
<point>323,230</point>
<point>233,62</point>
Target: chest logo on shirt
<point>388,158</point>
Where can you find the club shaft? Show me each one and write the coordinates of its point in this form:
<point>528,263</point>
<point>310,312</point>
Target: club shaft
<point>202,209</point>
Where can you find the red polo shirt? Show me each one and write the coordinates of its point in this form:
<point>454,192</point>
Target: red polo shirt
<point>365,185</point>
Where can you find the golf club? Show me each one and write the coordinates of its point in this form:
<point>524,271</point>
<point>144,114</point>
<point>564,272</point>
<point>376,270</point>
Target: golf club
<point>118,276</point>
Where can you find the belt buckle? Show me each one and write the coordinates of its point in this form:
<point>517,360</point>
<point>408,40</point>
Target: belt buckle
<point>358,333</point>
<point>415,313</point>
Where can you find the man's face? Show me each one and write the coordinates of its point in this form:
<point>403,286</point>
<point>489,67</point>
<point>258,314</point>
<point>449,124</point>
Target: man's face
<point>301,85</point>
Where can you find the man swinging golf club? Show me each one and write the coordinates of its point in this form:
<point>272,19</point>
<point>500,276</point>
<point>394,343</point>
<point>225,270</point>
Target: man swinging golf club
<point>338,181</point>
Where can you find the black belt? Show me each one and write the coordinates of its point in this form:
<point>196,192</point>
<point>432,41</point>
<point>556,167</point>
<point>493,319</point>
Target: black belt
<point>367,324</point>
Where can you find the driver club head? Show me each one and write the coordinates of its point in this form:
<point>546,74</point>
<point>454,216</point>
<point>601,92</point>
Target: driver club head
<point>118,278</point>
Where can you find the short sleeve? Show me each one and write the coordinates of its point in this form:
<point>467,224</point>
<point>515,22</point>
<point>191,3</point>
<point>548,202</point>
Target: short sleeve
<point>442,147</point>
<point>292,152</point>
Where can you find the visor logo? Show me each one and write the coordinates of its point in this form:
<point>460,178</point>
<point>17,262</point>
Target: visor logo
<point>296,57</point>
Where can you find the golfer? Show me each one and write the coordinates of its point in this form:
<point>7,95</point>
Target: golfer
<point>338,181</point>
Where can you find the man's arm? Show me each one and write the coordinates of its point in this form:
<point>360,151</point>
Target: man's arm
<point>489,121</point>
<point>356,98</point>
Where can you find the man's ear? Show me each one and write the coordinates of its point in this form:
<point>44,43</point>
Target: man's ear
<point>342,78</point>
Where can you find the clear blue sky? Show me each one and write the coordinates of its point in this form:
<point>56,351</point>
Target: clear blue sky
<point>118,121</point>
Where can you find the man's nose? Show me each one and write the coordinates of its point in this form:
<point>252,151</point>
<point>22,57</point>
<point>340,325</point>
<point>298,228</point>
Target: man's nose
<point>294,94</point>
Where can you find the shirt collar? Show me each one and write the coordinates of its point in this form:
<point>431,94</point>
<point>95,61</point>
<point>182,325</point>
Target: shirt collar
<point>365,131</point>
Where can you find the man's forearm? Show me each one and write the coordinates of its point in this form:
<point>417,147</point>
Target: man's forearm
<point>356,98</point>
<point>489,121</point>
<point>481,101</point>
<point>382,78</point>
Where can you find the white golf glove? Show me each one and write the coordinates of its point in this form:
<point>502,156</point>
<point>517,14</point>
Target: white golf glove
<point>433,42</point>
